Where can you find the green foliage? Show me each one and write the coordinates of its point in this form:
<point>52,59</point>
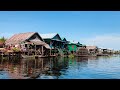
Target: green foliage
<point>54,51</point>
<point>16,49</point>
<point>71,56</point>
<point>2,39</point>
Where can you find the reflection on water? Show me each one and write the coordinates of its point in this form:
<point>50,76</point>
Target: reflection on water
<point>61,68</point>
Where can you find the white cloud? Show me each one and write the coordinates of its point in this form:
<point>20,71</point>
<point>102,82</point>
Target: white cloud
<point>110,41</point>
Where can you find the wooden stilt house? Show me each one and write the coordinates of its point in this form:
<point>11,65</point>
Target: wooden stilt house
<point>73,46</point>
<point>30,43</point>
<point>55,42</point>
<point>65,42</point>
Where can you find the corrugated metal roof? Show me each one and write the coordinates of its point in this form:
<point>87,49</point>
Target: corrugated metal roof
<point>75,42</point>
<point>64,39</point>
<point>49,35</point>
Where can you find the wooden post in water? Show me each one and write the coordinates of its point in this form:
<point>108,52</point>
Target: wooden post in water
<point>28,49</point>
<point>27,67</point>
<point>42,50</point>
<point>50,52</point>
<point>35,63</point>
<point>50,63</point>
<point>2,55</point>
<point>42,64</point>
<point>35,49</point>
<point>8,55</point>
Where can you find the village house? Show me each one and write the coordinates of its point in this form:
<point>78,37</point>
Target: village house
<point>107,51</point>
<point>100,51</point>
<point>53,39</point>
<point>82,51</point>
<point>30,43</point>
<point>65,43</point>
<point>92,49</point>
<point>73,46</point>
<point>55,42</point>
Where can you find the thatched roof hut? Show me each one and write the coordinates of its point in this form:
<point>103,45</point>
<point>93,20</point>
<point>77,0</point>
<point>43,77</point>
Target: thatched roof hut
<point>29,37</point>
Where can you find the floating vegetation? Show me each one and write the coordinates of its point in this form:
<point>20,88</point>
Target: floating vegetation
<point>71,56</point>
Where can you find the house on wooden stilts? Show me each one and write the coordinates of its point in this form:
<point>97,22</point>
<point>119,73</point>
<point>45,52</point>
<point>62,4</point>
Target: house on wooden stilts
<point>55,42</point>
<point>30,43</point>
<point>65,48</point>
<point>73,46</point>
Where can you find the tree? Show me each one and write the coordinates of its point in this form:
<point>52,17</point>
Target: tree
<point>2,42</point>
<point>2,39</point>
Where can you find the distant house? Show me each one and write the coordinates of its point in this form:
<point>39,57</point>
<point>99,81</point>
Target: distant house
<point>92,49</point>
<point>82,51</point>
<point>72,47</point>
<point>106,51</point>
<point>79,44</point>
<point>28,41</point>
<point>100,50</point>
<point>53,39</point>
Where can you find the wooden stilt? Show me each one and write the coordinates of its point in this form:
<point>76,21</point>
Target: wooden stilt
<point>27,67</point>
<point>50,52</point>
<point>35,49</point>
<point>35,66</point>
<point>28,48</point>
<point>2,55</point>
<point>42,50</point>
<point>42,64</point>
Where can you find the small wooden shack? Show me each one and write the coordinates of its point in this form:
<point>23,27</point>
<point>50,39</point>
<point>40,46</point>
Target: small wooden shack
<point>82,51</point>
<point>30,43</point>
<point>92,49</point>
